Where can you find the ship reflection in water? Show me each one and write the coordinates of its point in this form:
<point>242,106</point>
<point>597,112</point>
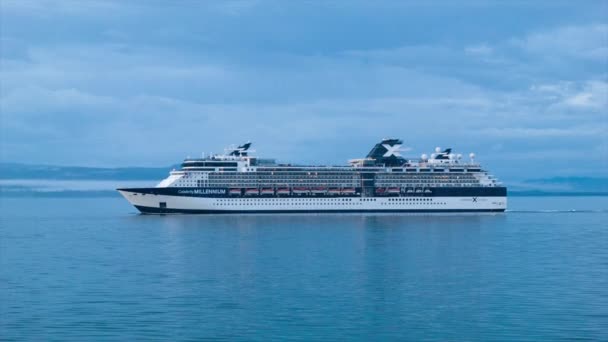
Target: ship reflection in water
<point>88,269</point>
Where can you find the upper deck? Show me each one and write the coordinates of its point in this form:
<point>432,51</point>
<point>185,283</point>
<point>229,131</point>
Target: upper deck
<point>383,166</point>
<point>381,159</point>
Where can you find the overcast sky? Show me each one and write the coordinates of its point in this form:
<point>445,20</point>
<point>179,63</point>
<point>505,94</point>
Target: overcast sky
<point>524,84</point>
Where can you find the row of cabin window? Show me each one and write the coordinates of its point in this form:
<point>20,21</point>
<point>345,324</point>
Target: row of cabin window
<point>283,181</point>
<point>281,177</point>
<point>407,185</point>
<point>224,177</point>
<point>427,181</point>
<point>335,201</point>
<point>438,185</point>
<point>308,183</point>
<point>288,185</point>
<point>257,200</point>
<point>425,177</point>
<point>266,174</point>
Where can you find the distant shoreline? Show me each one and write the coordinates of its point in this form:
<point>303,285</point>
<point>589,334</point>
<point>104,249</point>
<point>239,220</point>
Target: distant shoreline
<point>24,180</point>
<point>113,193</point>
<point>553,194</point>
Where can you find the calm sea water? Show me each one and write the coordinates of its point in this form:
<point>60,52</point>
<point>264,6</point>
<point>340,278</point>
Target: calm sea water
<point>92,269</point>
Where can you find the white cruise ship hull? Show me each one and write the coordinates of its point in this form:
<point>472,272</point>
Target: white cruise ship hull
<point>150,203</point>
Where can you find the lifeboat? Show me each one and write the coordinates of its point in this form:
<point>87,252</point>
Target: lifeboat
<point>267,191</point>
<point>380,191</point>
<point>348,191</point>
<point>300,191</point>
<point>333,191</point>
<point>234,191</point>
<point>418,191</point>
<point>319,191</point>
<point>393,191</point>
<point>283,191</point>
<point>427,191</point>
<point>410,191</point>
<point>252,192</point>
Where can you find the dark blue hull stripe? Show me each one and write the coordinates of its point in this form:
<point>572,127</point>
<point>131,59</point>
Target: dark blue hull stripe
<point>224,193</point>
<point>156,210</point>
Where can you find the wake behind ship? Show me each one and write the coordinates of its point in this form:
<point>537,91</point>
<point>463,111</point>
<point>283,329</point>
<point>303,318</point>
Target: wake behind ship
<point>383,181</point>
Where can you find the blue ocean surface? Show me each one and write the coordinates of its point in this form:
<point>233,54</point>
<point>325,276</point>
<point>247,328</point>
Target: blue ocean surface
<point>87,269</point>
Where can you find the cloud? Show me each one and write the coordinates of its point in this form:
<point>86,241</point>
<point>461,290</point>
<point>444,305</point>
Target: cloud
<point>589,95</point>
<point>48,8</point>
<point>176,79</point>
<point>235,7</point>
<point>479,50</point>
<point>586,42</point>
<point>594,95</point>
<point>42,101</point>
<point>547,132</point>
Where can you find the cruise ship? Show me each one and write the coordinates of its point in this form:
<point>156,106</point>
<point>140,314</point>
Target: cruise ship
<point>384,181</point>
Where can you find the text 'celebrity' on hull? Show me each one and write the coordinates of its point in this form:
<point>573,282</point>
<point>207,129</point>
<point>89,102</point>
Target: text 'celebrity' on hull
<point>383,181</point>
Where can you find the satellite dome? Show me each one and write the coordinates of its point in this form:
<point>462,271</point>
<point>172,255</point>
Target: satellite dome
<point>438,149</point>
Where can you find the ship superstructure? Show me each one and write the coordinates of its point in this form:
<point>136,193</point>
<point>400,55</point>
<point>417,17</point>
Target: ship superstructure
<point>383,181</point>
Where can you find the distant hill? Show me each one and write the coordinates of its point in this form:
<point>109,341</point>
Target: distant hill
<point>17,179</point>
<point>556,185</point>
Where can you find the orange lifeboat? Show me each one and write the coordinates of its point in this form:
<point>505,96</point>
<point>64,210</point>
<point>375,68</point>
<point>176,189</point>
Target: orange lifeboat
<point>348,191</point>
<point>252,192</point>
<point>333,191</point>
<point>380,191</point>
<point>301,191</point>
<point>319,191</point>
<point>267,191</point>
<point>283,191</point>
